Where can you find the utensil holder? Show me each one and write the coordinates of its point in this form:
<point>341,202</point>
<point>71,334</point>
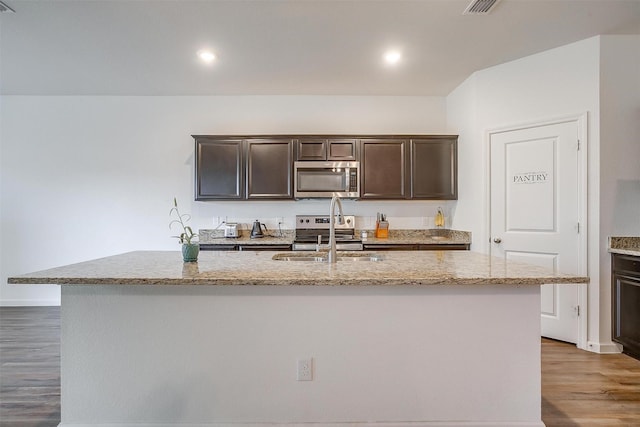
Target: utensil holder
<point>382,229</point>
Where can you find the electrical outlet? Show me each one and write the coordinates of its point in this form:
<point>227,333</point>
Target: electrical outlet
<point>305,367</point>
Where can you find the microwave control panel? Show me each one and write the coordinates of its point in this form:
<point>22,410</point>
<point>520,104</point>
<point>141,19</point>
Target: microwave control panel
<point>353,179</point>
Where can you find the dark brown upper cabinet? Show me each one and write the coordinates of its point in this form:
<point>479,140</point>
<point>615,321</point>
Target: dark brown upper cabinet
<point>219,168</point>
<point>312,149</point>
<point>434,168</point>
<point>327,149</point>
<point>269,168</point>
<point>393,167</point>
<point>383,163</point>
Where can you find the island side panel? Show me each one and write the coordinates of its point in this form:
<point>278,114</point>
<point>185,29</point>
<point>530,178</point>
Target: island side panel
<point>178,355</point>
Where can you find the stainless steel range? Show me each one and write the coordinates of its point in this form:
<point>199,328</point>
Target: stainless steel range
<point>309,227</point>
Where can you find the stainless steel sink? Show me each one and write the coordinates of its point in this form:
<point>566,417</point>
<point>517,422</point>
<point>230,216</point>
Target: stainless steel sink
<point>322,257</point>
<point>284,257</point>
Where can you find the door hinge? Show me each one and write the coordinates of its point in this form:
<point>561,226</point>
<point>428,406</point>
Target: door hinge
<point>578,228</point>
<point>577,308</point>
<point>578,145</point>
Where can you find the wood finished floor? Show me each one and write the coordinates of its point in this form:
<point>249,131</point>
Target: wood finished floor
<point>29,366</point>
<point>578,388</point>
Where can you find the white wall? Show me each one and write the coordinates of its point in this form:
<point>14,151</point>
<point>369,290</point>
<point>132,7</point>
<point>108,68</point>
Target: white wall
<point>548,85</point>
<point>462,115</point>
<point>619,153</point>
<point>566,81</point>
<point>85,177</point>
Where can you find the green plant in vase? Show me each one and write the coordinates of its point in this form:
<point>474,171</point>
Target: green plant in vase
<point>190,249</point>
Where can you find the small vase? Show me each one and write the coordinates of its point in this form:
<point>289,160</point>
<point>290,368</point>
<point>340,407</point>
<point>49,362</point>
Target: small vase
<point>190,252</point>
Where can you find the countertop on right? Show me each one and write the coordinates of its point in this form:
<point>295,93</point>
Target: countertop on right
<point>420,237</point>
<point>628,245</point>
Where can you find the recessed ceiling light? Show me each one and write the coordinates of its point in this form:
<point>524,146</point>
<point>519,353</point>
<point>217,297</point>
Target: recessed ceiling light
<point>392,57</point>
<point>206,56</point>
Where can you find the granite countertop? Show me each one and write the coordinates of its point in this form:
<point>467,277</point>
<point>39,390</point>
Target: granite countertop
<point>268,239</point>
<point>258,268</point>
<point>624,245</point>
<point>423,237</point>
<point>286,237</point>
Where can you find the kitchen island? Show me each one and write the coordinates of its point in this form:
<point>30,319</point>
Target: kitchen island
<point>419,338</point>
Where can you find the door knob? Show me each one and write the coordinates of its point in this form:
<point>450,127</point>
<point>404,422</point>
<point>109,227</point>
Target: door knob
<point>497,240</point>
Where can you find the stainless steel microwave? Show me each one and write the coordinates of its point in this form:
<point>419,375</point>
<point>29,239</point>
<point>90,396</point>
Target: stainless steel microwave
<point>326,179</point>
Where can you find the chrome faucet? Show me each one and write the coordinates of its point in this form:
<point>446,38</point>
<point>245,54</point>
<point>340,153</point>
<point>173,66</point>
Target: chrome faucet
<point>332,226</point>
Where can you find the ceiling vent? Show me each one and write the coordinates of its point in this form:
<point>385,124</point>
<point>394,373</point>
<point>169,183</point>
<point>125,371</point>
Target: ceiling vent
<point>480,7</point>
<point>4,8</point>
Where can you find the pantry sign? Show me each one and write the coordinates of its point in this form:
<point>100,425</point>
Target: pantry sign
<point>540,177</point>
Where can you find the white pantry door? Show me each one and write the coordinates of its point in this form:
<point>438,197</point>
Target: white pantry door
<point>535,212</point>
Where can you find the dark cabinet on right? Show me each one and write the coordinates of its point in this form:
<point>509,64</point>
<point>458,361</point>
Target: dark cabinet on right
<point>434,168</point>
<point>409,167</point>
<point>625,281</point>
<point>383,168</point>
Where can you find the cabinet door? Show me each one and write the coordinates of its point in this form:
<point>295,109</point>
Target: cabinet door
<point>383,174</point>
<point>342,149</point>
<point>269,169</point>
<point>312,149</point>
<point>434,168</point>
<point>219,169</point>
<point>625,321</point>
<point>626,313</point>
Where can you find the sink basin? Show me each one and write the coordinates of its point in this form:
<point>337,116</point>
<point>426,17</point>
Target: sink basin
<point>298,258</point>
<point>322,257</point>
<point>372,257</point>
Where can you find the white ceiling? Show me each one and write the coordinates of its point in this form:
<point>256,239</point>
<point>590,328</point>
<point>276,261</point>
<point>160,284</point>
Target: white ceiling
<point>283,47</point>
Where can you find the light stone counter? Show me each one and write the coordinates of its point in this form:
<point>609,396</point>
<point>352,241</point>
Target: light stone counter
<point>396,237</point>
<point>624,245</point>
<point>216,237</point>
<point>258,268</point>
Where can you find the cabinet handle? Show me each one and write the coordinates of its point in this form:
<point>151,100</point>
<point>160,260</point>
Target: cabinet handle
<point>497,240</point>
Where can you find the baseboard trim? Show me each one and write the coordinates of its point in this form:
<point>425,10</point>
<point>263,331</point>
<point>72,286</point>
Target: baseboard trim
<point>29,303</point>
<point>603,348</point>
<point>337,424</point>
